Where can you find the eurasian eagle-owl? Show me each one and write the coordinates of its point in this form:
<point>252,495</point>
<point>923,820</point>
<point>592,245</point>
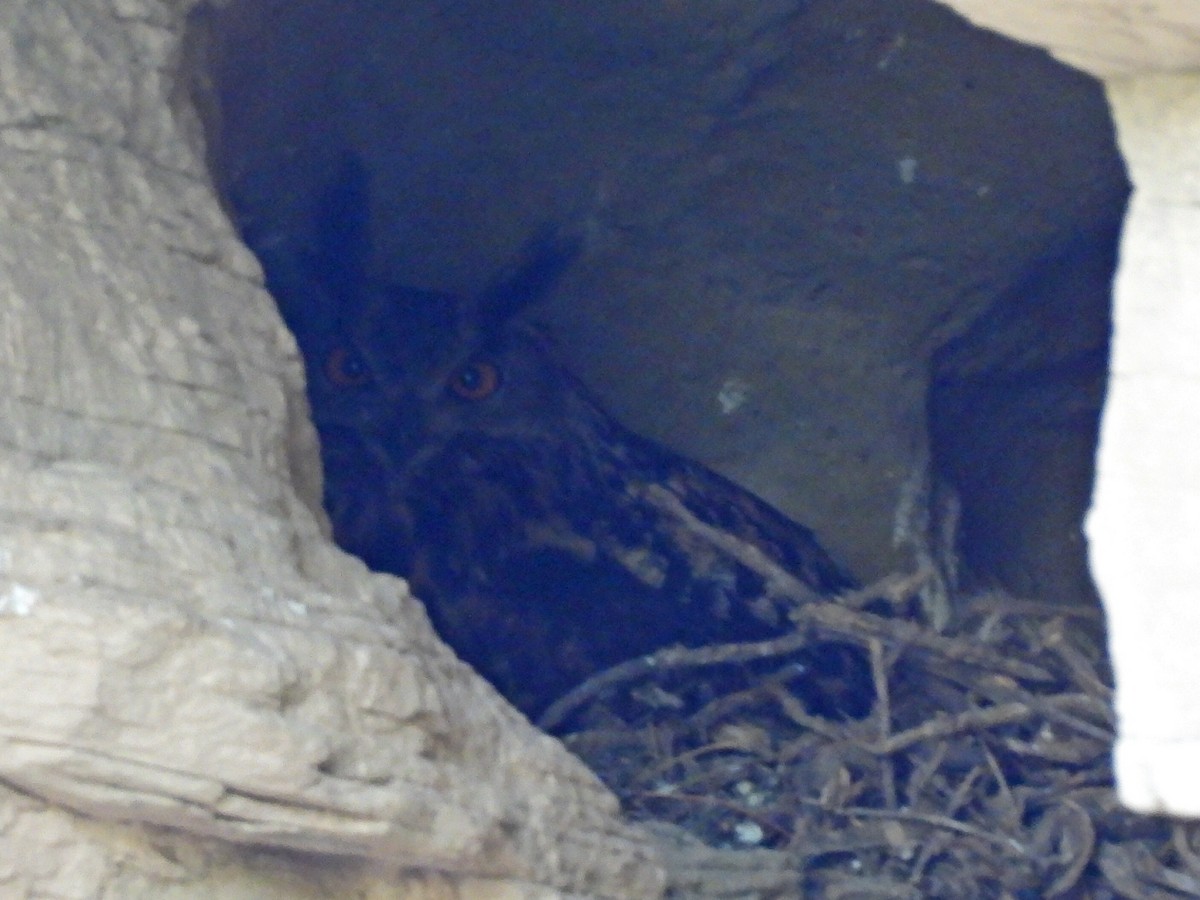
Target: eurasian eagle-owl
<point>460,453</point>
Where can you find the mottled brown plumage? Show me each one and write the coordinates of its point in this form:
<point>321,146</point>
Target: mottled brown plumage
<point>460,454</point>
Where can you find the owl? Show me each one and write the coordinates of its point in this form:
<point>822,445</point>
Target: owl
<point>461,454</point>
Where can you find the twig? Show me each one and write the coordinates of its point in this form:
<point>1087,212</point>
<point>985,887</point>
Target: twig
<point>1000,604</point>
<point>794,710</point>
<point>945,726</point>
<point>669,658</point>
<point>937,821</point>
<point>836,616</point>
<point>883,716</point>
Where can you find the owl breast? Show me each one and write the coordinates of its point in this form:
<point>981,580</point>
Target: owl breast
<point>540,552</point>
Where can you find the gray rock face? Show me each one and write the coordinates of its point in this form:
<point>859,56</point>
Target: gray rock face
<point>794,209</point>
<point>182,647</point>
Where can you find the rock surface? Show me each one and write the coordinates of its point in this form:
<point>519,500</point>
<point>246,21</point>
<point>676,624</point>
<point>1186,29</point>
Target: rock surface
<point>1146,513</point>
<point>792,209</point>
<point>200,695</point>
<point>1102,37</point>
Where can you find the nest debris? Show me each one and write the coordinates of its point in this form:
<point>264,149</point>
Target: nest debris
<point>982,769</point>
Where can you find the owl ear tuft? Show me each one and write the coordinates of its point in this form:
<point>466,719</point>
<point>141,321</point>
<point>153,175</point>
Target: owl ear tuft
<point>542,261</point>
<point>343,236</point>
<point>312,277</point>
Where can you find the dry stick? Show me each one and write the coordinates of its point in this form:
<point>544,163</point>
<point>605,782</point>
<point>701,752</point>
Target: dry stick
<point>1083,852</point>
<point>856,887</point>
<point>795,711</point>
<point>923,772</point>
<point>963,793</point>
<point>1183,846</point>
<point>834,616</point>
<point>837,616</point>
<point>1077,664</point>
<point>945,726</point>
<point>1055,707</point>
<point>1014,807</point>
<point>659,767</point>
<point>771,688</point>
<point>1002,605</point>
<point>883,715</point>
<point>760,816</point>
<point>670,658</point>
<point>930,847</point>
<point>937,821</point>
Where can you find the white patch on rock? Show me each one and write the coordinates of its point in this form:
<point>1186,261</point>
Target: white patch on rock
<point>19,600</point>
<point>733,393</point>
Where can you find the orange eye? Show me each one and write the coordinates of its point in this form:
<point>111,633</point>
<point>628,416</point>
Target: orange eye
<point>476,380</point>
<point>345,368</point>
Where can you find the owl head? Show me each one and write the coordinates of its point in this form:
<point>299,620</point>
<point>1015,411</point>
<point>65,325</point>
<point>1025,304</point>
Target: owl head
<point>415,392</point>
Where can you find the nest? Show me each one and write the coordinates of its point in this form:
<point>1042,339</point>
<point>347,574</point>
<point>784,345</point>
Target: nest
<point>979,769</point>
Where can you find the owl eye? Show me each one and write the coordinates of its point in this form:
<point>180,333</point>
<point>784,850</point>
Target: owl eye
<point>477,380</point>
<point>346,368</point>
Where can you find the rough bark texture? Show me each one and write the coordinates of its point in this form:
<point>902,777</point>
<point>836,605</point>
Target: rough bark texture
<point>182,650</point>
